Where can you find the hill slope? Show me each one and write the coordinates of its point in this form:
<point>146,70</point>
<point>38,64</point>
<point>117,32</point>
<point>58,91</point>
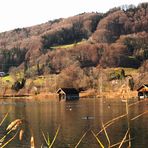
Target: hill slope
<point>117,38</point>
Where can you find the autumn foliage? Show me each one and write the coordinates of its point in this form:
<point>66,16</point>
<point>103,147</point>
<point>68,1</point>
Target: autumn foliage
<point>117,38</point>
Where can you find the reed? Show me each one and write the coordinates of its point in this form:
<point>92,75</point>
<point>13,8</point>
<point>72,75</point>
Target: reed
<point>16,127</point>
<point>123,140</point>
<point>139,115</point>
<point>110,122</point>
<point>105,128</point>
<point>32,142</point>
<point>107,137</point>
<point>81,139</point>
<point>2,139</point>
<point>118,143</point>
<point>4,119</point>
<point>98,140</point>
<point>7,142</point>
<point>47,138</point>
<point>128,123</point>
<point>137,102</point>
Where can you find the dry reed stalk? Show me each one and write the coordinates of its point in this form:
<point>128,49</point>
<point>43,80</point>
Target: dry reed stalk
<point>24,124</point>
<point>18,124</point>
<point>81,139</point>
<point>139,115</point>
<point>107,124</point>
<point>105,128</point>
<point>130,105</point>
<point>47,140</point>
<point>114,119</point>
<point>124,138</point>
<point>4,119</point>
<point>110,122</point>
<point>98,140</point>
<point>11,127</point>
<point>7,142</point>
<point>106,135</point>
<point>32,141</point>
<point>55,137</point>
<point>3,138</point>
<point>128,118</point>
<point>116,144</point>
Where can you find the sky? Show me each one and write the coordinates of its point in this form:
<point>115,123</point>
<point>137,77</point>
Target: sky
<point>25,13</point>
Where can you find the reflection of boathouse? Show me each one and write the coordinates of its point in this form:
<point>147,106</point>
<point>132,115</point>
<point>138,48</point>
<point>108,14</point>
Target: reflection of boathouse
<point>67,94</point>
<point>143,92</point>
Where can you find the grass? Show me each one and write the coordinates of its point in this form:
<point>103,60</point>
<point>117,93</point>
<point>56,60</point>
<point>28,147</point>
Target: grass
<point>128,71</point>
<point>43,83</point>
<point>7,79</point>
<point>67,46</point>
<point>39,81</point>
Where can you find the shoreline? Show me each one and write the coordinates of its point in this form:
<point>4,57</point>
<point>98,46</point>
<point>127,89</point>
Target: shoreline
<point>84,94</point>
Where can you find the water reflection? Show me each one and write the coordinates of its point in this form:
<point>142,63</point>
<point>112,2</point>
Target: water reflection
<point>76,118</point>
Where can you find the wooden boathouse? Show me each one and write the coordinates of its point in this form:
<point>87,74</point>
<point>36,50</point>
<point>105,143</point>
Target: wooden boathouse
<point>67,94</point>
<point>143,92</point>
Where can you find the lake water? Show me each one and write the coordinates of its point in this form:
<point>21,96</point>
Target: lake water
<point>75,118</point>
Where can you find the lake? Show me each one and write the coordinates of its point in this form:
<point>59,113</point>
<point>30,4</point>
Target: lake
<point>75,118</point>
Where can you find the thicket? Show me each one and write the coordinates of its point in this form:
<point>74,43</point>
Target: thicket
<point>10,58</point>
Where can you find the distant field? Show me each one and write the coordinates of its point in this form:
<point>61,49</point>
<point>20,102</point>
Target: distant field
<point>128,71</point>
<point>7,79</point>
<point>68,45</point>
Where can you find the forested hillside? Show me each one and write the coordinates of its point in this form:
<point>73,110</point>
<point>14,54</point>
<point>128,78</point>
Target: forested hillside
<point>118,38</point>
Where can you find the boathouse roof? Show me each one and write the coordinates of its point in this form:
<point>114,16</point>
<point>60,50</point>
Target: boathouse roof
<point>142,88</point>
<point>68,90</point>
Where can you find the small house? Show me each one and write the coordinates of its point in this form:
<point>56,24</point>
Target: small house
<point>67,94</point>
<point>143,92</point>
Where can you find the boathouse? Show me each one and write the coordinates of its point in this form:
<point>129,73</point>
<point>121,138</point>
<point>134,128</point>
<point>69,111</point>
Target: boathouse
<point>143,92</point>
<point>67,94</point>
